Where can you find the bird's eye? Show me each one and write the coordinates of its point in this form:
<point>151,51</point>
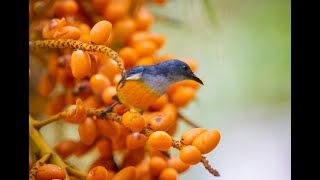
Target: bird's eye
<point>185,68</point>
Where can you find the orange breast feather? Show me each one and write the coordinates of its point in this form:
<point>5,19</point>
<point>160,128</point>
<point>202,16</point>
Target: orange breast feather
<point>136,94</point>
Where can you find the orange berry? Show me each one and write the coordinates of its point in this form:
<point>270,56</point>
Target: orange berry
<point>160,140</point>
<point>108,164</point>
<point>160,103</point>
<point>116,9</point>
<point>65,7</point>
<point>109,68</point>
<point>145,61</point>
<point>119,143</point>
<point>127,173</point>
<point>123,29</point>
<point>188,137</point>
<point>70,98</point>
<point>135,140</point>
<point>93,101</point>
<point>84,28</point>
<point>100,32</point>
<point>85,38</point>
<point>207,141</point>
<point>108,93</point>
<point>168,174</point>
<point>171,110</point>
<point>160,2</point>
<point>81,149</point>
<point>98,83</point>
<point>104,148</point>
<point>120,109</point>
<point>190,155</point>
<point>50,171</point>
<point>144,18</point>
<point>56,104</point>
<point>66,147</point>
<point>165,57</point>
<point>52,26</point>
<point>80,64</point>
<point>100,5</point>
<point>67,32</point>
<point>110,174</point>
<point>182,96</point>
<point>145,48</point>
<point>187,83</point>
<point>94,65</point>
<point>129,56</point>
<point>159,121</point>
<point>133,121</point>
<point>76,113</point>
<point>97,173</point>
<point>172,130</point>
<point>157,164</point>
<point>159,39</point>
<point>177,164</point>
<point>46,85</point>
<point>138,36</point>
<point>52,64</point>
<point>108,129</point>
<point>87,131</point>
<point>143,171</point>
<point>116,79</point>
<point>134,157</point>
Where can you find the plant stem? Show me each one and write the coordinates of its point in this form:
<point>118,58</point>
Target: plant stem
<point>39,124</point>
<point>187,120</point>
<point>76,172</point>
<point>44,148</point>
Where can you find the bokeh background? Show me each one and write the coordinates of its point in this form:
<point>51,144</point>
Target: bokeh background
<point>243,51</point>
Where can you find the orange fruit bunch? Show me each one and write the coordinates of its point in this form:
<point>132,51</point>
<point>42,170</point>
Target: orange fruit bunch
<point>75,80</point>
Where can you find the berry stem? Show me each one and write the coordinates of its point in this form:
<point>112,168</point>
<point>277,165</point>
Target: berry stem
<point>75,172</point>
<point>53,118</point>
<point>34,170</point>
<point>75,44</point>
<point>206,164</point>
<point>187,120</point>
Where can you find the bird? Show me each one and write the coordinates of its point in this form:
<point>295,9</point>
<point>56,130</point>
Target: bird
<point>143,85</point>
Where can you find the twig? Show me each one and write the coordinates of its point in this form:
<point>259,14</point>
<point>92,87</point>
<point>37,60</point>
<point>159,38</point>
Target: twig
<point>187,120</point>
<point>206,164</point>
<point>75,172</point>
<point>167,19</point>
<point>36,138</point>
<point>39,124</point>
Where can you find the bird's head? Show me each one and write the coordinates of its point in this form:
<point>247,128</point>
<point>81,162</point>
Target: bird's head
<point>177,70</point>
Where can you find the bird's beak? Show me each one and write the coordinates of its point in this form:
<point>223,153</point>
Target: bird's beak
<point>195,78</point>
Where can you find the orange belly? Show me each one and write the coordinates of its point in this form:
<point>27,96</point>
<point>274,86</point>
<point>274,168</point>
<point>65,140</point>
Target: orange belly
<point>136,94</point>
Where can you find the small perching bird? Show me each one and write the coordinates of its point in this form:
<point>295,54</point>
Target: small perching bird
<point>143,85</point>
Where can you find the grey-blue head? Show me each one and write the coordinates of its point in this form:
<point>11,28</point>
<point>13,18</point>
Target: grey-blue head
<point>176,70</point>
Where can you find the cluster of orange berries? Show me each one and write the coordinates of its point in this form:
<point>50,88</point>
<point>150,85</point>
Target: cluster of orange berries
<point>89,80</point>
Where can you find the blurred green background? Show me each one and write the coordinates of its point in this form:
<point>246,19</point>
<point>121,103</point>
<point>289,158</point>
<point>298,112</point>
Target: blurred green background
<point>243,51</point>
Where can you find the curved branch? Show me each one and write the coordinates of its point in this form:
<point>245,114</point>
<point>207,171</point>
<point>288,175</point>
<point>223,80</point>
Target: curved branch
<point>75,44</point>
